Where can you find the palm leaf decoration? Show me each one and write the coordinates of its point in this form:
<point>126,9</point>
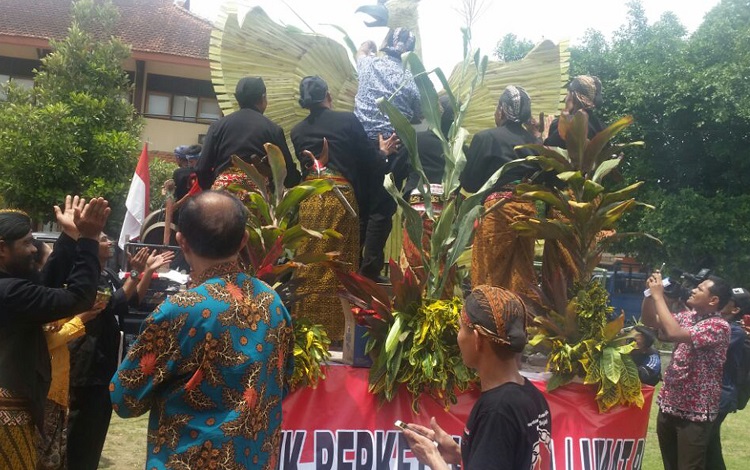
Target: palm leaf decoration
<point>283,55</point>
<point>543,73</point>
<point>256,45</point>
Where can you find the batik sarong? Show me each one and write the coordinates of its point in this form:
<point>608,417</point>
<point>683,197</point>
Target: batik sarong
<point>17,449</point>
<point>500,256</point>
<point>318,300</point>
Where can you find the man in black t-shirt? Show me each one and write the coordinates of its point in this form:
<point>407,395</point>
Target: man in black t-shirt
<point>510,426</point>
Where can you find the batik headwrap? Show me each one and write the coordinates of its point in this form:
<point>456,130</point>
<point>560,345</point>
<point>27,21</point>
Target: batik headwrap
<point>516,104</point>
<point>587,90</point>
<point>497,314</point>
<point>14,224</point>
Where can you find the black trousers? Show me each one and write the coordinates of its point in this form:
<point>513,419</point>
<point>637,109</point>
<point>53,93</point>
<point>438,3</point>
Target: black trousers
<point>714,457</point>
<point>683,443</point>
<point>376,219</point>
<point>88,422</point>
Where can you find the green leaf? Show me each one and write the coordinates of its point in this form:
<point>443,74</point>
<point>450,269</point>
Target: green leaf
<point>393,334</point>
<point>598,143</point>
<point>557,381</point>
<point>299,193</point>
<point>606,167</point>
<point>278,168</point>
<point>612,365</point>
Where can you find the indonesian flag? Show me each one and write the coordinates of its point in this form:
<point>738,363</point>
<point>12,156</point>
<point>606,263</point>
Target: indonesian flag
<point>137,202</point>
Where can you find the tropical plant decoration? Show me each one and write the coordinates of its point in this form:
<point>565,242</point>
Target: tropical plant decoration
<point>311,344</point>
<point>412,339</point>
<point>413,334</point>
<point>582,337</point>
<point>274,236</point>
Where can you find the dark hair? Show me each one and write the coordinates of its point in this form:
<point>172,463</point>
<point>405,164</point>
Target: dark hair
<point>249,91</point>
<point>14,225</point>
<point>721,289</point>
<point>648,334</point>
<point>213,224</point>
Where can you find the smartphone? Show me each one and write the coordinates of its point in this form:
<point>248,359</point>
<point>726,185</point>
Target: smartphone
<point>402,425</point>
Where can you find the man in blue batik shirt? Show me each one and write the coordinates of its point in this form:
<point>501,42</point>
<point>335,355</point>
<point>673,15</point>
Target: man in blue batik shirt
<point>212,362</point>
<point>383,76</point>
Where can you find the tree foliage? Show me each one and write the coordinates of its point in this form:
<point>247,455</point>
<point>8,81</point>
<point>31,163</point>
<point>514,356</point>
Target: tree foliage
<point>690,98</point>
<point>76,131</point>
<point>510,48</point>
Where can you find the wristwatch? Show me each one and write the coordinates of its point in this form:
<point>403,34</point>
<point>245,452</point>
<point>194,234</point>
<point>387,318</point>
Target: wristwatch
<point>135,274</point>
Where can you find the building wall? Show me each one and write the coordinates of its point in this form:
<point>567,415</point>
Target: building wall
<point>164,135</point>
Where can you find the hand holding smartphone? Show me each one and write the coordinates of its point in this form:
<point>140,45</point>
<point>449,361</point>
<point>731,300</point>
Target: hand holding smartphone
<point>402,425</point>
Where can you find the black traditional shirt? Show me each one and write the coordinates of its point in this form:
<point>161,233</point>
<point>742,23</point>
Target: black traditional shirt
<point>241,133</point>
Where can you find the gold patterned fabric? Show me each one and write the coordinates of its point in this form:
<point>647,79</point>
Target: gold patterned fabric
<point>318,300</point>
<point>17,450</point>
<point>501,257</point>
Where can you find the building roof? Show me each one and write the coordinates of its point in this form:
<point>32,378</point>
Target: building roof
<point>151,26</point>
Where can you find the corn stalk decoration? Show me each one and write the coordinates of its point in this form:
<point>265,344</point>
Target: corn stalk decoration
<point>579,331</point>
<point>274,236</point>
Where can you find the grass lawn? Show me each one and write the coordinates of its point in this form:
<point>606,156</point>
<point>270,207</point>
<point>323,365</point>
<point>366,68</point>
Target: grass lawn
<point>125,448</point>
<point>734,440</point>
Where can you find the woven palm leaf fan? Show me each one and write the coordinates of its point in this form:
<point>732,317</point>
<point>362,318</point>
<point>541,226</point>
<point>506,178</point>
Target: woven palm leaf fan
<point>283,56</point>
<point>543,72</point>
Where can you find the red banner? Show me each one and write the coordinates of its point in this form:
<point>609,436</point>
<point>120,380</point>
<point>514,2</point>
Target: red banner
<point>340,425</point>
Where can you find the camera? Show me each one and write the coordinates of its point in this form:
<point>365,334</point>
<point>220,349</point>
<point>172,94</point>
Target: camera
<point>688,281</point>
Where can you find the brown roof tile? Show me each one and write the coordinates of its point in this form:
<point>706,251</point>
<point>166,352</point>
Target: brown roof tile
<point>156,26</point>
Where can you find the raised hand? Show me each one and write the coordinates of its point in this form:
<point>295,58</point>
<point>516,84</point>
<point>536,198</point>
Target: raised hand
<point>156,261</point>
<point>138,260</point>
<point>66,215</point>
<point>91,219</point>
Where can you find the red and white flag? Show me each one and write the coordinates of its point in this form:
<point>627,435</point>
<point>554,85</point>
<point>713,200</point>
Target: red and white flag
<point>137,202</point>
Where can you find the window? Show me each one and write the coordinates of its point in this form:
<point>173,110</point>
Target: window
<point>209,110</point>
<point>184,108</point>
<point>23,82</point>
<point>181,99</point>
<point>158,105</point>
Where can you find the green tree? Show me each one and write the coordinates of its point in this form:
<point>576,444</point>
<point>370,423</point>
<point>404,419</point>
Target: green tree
<point>510,48</point>
<point>76,131</point>
<point>690,98</point>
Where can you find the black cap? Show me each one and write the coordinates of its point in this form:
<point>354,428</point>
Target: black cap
<point>312,90</point>
<point>741,299</point>
<point>249,91</point>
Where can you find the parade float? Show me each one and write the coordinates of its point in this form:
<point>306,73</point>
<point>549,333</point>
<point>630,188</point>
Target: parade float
<point>343,417</point>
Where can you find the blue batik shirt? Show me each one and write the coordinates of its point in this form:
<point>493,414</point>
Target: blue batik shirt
<point>380,77</point>
<point>211,365</point>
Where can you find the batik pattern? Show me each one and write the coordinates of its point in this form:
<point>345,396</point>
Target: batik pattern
<point>211,365</point>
